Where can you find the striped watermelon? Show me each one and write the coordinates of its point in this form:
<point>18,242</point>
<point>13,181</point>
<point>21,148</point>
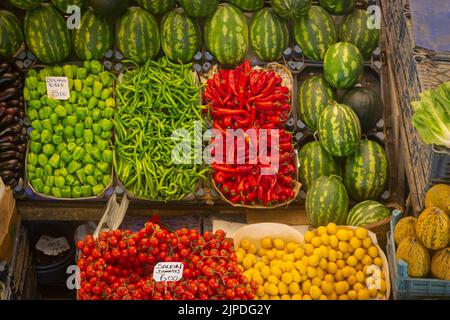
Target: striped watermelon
<point>315,162</point>
<point>46,34</point>
<point>269,35</point>
<point>199,8</point>
<point>338,7</point>
<point>366,172</point>
<point>180,36</point>
<point>354,30</point>
<point>137,35</point>
<point>248,5</point>
<point>327,201</point>
<point>339,130</point>
<point>315,33</point>
<point>343,65</point>
<point>226,35</point>
<point>367,212</point>
<point>63,4</point>
<point>291,9</point>
<point>11,37</point>
<point>157,7</point>
<point>93,38</point>
<point>26,4</point>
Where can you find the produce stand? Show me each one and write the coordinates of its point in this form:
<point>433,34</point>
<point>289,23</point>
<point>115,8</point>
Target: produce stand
<point>321,227</point>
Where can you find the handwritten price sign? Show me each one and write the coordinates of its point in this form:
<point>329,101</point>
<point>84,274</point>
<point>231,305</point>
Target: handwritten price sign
<point>58,88</point>
<point>168,271</point>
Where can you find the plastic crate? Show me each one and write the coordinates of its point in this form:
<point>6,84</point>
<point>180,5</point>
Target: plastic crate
<point>404,287</point>
<point>440,165</point>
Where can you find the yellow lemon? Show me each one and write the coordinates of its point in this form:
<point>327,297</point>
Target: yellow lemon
<point>320,273</point>
<point>276,297</point>
<point>265,272</point>
<point>346,255</point>
<point>328,278</point>
<point>317,252</point>
<point>367,242</point>
<point>338,276</point>
<point>373,292</point>
<point>306,285</point>
<point>278,244</point>
<point>272,289</point>
<point>282,288</point>
<point>359,253</point>
<point>358,286</point>
<point>352,295</point>
<point>309,235</point>
<point>258,265</point>
<point>355,243</point>
<point>245,244</point>
<point>372,251</point>
<point>346,272</point>
<point>285,297</point>
<point>260,291</point>
<point>301,267</point>
<point>279,254</point>
<point>248,275</point>
<point>265,297</point>
<point>327,287</point>
<point>361,233</point>
<point>332,255</point>
<point>363,294</point>
<point>334,241</point>
<point>325,239</point>
<point>294,288</point>
<point>342,235</point>
<point>261,252</point>
<point>311,272</point>
<point>256,273</point>
<point>298,253</point>
<point>296,297</point>
<point>252,249</point>
<point>343,297</point>
<point>313,261</point>
<point>352,261</point>
<point>309,249</point>
<point>324,252</point>
<point>321,230</point>
<point>316,242</point>
<point>331,228</point>
<point>359,267</point>
<point>296,277</point>
<point>383,287</point>
<point>340,263</point>
<point>247,263</point>
<point>316,281</point>
<point>239,257</point>
<point>315,292</point>
<point>378,261</point>
<point>351,233</point>
<point>323,297</point>
<point>291,247</point>
<point>276,271</point>
<point>259,280</point>
<point>341,287</point>
<point>366,260</point>
<point>306,297</point>
<point>343,246</point>
<point>323,264</point>
<point>286,277</point>
<point>332,268</point>
<point>287,266</point>
<point>266,243</point>
<point>333,296</point>
<point>265,260</point>
<point>351,280</point>
<point>340,255</point>
<point>270,254</point>
<point>360,277</point>
<point>305,261</point>
<point>273,279</point>
<point>241,251</point>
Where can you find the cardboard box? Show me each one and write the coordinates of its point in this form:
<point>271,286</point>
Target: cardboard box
<point>8,223</point>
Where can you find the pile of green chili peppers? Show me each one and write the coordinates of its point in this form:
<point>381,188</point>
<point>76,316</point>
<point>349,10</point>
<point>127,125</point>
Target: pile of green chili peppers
<point>153,101</point>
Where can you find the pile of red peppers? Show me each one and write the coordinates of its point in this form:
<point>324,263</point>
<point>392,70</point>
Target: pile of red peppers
<point>246,98</point>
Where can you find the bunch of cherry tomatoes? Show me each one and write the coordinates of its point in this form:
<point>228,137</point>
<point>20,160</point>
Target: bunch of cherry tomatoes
<point>118,265</point>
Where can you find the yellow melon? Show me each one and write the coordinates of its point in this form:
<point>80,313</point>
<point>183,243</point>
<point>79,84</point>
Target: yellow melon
<point>406,227</point>
<point>438,196</point>
<point>415,255</point>
<point>433,228</point>
<point>440,264</point>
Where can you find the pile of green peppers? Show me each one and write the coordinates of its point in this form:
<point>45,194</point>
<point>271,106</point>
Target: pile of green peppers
<point>70,153</point>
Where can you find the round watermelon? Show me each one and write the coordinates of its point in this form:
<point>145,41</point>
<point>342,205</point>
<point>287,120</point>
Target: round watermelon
<point>367,212</point>
<point>199,8</point>
<point>93,38</point>
<point>109,8</point>
<point>180,36</point>
<point>354,30</point>
<point>291,9</point>
<point>343,65</point>
<point>137,35</point>
<point>26,4</point>
<point>326,202</point>
<point>248,5</point>
<point>339,130</point>
<point>157,7</point>
<point>269,35</point>
<point>11,37</point>
<point>367,104</point>
<point>338,7</point>
<point>63,4</point>
<point>315,95</point>
<point>46,34</point>
<point>314,162</point>
<point>366,171</point>
<point>315,33</point>
<point>226,35</point>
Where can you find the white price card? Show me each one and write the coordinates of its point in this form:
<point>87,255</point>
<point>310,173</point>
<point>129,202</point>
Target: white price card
<point>168,271</point>
<point>52,246</point>
<point>58,88</point>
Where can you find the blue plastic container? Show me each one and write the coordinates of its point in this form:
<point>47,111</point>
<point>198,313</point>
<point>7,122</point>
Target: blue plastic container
<point>404,287</point>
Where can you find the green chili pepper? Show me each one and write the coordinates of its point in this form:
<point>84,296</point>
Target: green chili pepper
<point>32,114</point>
<point>59,129</point>
<point>95,153</point>
<point>42,159</point>
<point>88,122</point>
<point>89,82</point>
<point>98,175</point>
<point>37,125</point>
<point>57,139</point>
<point>38,185</point>
<point>70,179</point>
<point>31,168</point>
<point>87,92</point>
<point>60,181</point>
<point>50,181</point>
<point>60,146</point>
<point>88,136</point>
<point>61,111</point>
<point>45,136</point>
<point>89,169</point>
<point>108,113</point>
<point>34,104</point>
<point>73,166</point>
<point>47,125</point>
<point>35,135</point>
<point>71,121</point>
<point>57,71</point>
<point>48,149</point>
<point>42,88</point>
<point>54,119</point>
<point>101,105</point>
<point>76,192</point>
<point>110,103</point>
<point>106,94</point>
<point>78,84</point>
<point>56,192</point>
<point>68,132</point>
<point>35,147</point>
<point>81,113</point>
<point>32,158</point>
<point>31,82</point>
<point>88,159</point>
<point>68,108</point>
<point>106,124</point>
<point>86,191</point>
<point>106,79</point>
<point>106,180</point>
<point>102,144</point>
<point>82,101</point>
<point>79,141</point>
<point>78,153</point>
<point>79,130</point>
<point>92,103</point>
<point>47,190</point>
<point>81,176</point>
<point>34,94</point>
<point>63,172</point>
<point>103,166</point>
<point>97,189</point>
<point>54,160</point>
<point>98,87</point>
<point>66,192</point>
<point>81,73</point>
<point>106,135</point>
<point>96,128</point>
<point>91,180</point>
<point>71,146</point>
<point>107,156</point>
<point>39,172</point>
<point>68,71</point>
<point>96,67</point>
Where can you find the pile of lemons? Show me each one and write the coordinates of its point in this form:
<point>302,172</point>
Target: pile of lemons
<point>333,263</point>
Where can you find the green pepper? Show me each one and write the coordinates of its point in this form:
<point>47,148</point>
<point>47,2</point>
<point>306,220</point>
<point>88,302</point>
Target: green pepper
<point>61,146</point>
<point>45,112</point>
<point>88,159</point>
<point>108,113</point>
<point>63,172</point>
<point>86,191</point>
<point>54,119</point>
<point>87,92</point>
<point>106,94</point>
<point>79,141</point>
<point>42,88</point>
<point>70,82</point>
<point>81,176</point>
<point>73,166</point>
<point>87,146</point>
<point>60,181</point>
<point>81,113</point>
<point>39,173</point>
<point>96,67</point>
<point>96,114</point>
<point>54,160</point>
<point>110,103</point>
<point>37,125</point>
<point>56,192</point>
<point>88,136</point>
<point>89,82</point>
<point>92,103</point>
<point>47,190</point>
<point>78,84</point>
<point>38,185</point>
<point>48,170</point>
<point>66,192</point>
<point>35,147</point>
<point>95,153</point>
<point>45,136</point>
<point>68,131</point>
<point>31,82</point>
<point>68,71</point>
<point>70,179</point>
<point>103,167</point>
<point>57,139</point>
<point>89,169</point>
<point>50,181</point>
<point>52,103</point>
<point>106,135</point>
<point>88,122</point>
<point>30,167</point>
<point>71,146</point>
<point>32,114</point>
<point>69,108</point>
<point>97,189</point>
<point>101,105</point>
<point>76,192</point>
<point>96,128</point>
<point>91,180</point>
<point>35,135</point>
<point>79,130</point>
<point>82,101</point>
<point>48,149</point>
<point>71,121</point>
<point>59,129</point>
<point>47,125</point>
<point>33,104</point>
<point>106,79</point>
<point>78,153</point>
<point>98,175</point>
<point>32,159</point>
<point>106,124</point>
<point>106,180</point>
<point>81,73</point>
<point>42,159</point>
<point>107,156</point>
<point>98,87</point>
<point>57,71</point>
<point>61,111</point>
<point>73,97</point>
<point>34,94</point>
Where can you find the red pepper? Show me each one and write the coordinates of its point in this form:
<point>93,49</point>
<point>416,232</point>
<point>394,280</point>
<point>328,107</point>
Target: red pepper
<point>221,176</point>
<point>226,188</point>
<point>228,121</point>
<point>229,169</point>
<point>218,85</point>
<point>232,82</point>
<point>286,179</point>
<point>218,127</point>
<point>251,196</point>
<point>236,199</point>
<point>231,112</point>
<point>241,187</point>
<point>285,147</point>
